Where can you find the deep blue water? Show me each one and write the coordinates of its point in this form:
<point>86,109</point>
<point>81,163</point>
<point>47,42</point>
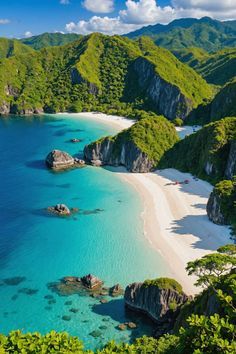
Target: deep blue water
<point>42,248</point>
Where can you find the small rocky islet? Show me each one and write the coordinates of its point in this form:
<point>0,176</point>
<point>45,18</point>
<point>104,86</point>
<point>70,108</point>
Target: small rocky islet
<point>58,160</point>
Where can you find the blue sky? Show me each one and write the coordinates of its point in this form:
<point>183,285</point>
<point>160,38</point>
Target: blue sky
<point>19,18</point>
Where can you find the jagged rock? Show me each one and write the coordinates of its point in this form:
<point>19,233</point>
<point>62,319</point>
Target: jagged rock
<point>122,327</point>
<point>154,301</point>
<point>214,210</point>
<point>231,163</point>
<point>131,325</point>
<point>79,162</point>
<point>70,285</point>
<point>167,98</point>
<point>130,155</point>
<point>58,159</point>
<point>59,209</point>
<point>209,168</point>
<point>91,282</point>
<point>4,108</point>
<point>116,290</point>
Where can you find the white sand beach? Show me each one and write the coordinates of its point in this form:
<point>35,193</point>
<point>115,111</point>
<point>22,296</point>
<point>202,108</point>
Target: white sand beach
<point>117,121</point>
<point>175,220</point>
<point>174,216</point>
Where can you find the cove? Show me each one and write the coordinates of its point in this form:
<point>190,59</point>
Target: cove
<point>105,238</point>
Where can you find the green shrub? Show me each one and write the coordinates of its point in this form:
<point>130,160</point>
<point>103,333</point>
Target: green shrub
<point>164,283</point>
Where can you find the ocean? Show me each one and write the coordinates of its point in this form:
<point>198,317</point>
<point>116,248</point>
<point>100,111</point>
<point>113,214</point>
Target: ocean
<point>105,237</point>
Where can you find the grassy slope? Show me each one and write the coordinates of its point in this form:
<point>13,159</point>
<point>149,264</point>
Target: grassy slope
<point>175,72</point>
<point>152,134</point>
<point>210,144</point>
<point>222,105</point>
<point>49,39</point>
<point>43,78</point>
<point>11,47</point>
<point>205,33</point>
<point>217,68</point>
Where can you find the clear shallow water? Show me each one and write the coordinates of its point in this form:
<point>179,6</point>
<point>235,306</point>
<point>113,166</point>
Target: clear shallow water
<point>42,248</point>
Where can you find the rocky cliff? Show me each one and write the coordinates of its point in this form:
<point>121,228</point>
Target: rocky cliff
<point>214,211</point>
<point>138,148</point>
<point>106,152</point>
<point>231,162</point>
<point>160,302</point>
<point>166,98</point>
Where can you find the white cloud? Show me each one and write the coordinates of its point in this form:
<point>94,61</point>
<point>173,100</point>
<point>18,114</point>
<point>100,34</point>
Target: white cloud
<point>99,6</point>
<point>28,34</point>
<point>107,25</point>
<point>4,21</point>
<point>218,9</point>
<point>145,12</point>
<point>64,2</point>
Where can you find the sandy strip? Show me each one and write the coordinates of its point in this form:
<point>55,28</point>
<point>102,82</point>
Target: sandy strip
<point>174,216</point>
<point>175,220</point>
<point>118,122</point>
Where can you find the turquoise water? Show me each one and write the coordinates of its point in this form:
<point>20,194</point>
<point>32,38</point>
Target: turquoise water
<point>42,248</point>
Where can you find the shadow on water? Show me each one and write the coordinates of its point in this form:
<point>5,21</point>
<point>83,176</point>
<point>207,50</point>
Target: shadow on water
<point>36,164</point>
<point>116,310</point>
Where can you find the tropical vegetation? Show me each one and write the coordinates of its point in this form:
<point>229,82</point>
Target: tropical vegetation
<point>204,33</point>
<point>205,325</point>
<point>96,72</point>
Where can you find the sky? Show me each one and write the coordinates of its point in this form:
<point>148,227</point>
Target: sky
<point>24,18</point>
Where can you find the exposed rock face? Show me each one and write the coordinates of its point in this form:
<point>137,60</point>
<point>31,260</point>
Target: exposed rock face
<point>58,159</point>
<point>231,163</point>
<point>155,302</point>
<point>76,78</point>
<point>61,160</point>
<point>167,98</point>
<point>91,282</point>
<point>60,209</point>
<point>129,155</point>
<point>214,210</point>
<point>4,108</point>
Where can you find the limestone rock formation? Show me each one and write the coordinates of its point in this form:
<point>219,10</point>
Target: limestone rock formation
<point>160,304</point>
<point>214,210</point>
<point>61,160</point>
<point>231,163</point>
<point>129,155</point>
<point>60,209</point>
<point>167,98</point>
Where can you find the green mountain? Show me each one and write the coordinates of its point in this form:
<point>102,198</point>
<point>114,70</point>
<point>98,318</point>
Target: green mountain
<point>205,33</point>
<point>100,71</point>
<point>50,40</point>
<point>216,68</point>
<point>139,148</point>
<point>207,153</point>
<point>11,47</point>
<point>222,105</point>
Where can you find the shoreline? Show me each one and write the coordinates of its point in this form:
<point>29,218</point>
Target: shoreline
<point>115,121</point>
<point>174,217</point>
<point>175,220</point>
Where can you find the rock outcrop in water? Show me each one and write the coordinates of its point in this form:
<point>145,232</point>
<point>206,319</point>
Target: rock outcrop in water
<point>104,152</point>
<point>60,209</point>
<point>160,299</point>
<point>61,160</point>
